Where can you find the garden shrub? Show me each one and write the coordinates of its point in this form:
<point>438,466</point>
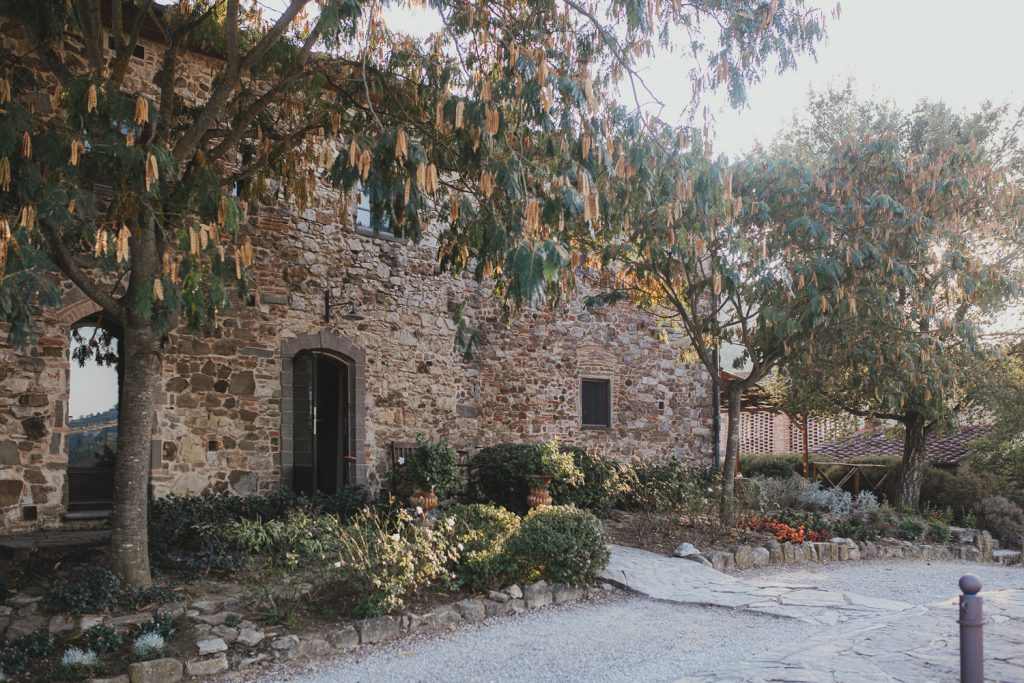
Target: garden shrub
<point>764,494</point>
<point>298,540</point>
<point>911,528</point>
<point>480,532</point>
<point>937,530</point>
<point>18,653</point>
<point>179,527</point>
<point>1003,518</point>
<point>498,474</point>
<point>383,559</point>
<point>779,466</point>
<point>85,589</point>
<point>600,488</point>
<point>663,485</point>
<point>559,543</point>
<point>102,639</point>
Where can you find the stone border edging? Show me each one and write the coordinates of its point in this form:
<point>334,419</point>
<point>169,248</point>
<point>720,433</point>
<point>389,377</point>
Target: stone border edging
<point>972,545</point>
<point>510,600</point>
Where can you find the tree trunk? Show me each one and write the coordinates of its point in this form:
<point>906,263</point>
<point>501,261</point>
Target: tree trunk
<point>142,368</point>
<point>912,470</point>
<point>732,449</point>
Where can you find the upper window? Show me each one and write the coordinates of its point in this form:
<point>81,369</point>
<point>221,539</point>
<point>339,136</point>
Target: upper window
<point>596,400</point>
<point>361,218</point>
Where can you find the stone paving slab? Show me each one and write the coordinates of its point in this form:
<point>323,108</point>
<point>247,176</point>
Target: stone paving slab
<point>912,646</point>
<point>684,581</point>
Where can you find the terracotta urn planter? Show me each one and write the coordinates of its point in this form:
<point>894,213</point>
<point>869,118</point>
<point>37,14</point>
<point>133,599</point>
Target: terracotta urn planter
<point>423,499</point>
<point>539,494</point>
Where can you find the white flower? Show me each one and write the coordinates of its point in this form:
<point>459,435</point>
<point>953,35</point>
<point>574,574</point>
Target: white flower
<point>75,657</point>
<point>450,521</point>
<point>396,537</point>
<point>461,547</point>
<point>337,565</point>
<point>401,460</point>
<point>419,510</point>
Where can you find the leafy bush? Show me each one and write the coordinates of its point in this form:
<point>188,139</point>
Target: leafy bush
<point>499,475</point>
<point>937,530</point>
<point>600,488</point>
<point>834,501</point>
<point>780,466</point>
<point>551,461</point>
<point>102,639</point>
<point>434,465</point>
<point>382,560</point>
<point>480,532</point>
<point>663,485</point>
<point>17,654</point>
<point>78,658</point>
<point>765,494</point>
<point>559,543</point>
<point>179,527</point>
<point>911,528</point>
<point>1003,518</point>
<point>1004,461</point>
<point>84,589</point>
<point>298,540</point>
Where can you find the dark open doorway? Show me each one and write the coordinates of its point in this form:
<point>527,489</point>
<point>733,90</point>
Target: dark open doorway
<point>323,422</point>
<point>94,393</point>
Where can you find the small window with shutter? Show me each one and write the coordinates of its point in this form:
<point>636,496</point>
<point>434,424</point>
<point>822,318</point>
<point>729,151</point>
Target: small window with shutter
<point>596,400</point>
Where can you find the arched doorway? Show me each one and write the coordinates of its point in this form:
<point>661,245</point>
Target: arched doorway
<point>94,390</point>
<point>323,394</point>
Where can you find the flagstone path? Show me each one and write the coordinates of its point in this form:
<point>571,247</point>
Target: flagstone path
<point>871,640</point>
<point>685,581</point>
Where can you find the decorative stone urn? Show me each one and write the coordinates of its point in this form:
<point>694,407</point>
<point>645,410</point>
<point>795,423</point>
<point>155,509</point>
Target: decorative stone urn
<point>539,495</point>
<point>423,499</point>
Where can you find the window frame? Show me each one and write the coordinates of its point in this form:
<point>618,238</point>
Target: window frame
<point>607,382</point>
<point>366,230</point>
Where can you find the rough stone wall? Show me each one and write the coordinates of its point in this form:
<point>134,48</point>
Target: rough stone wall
<point>222,411</point>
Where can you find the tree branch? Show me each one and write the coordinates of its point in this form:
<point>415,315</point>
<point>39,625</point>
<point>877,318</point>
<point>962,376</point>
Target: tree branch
<point>69,266</point>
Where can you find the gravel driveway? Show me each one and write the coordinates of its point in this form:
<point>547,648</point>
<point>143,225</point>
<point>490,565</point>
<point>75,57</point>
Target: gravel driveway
<point>623,637</point>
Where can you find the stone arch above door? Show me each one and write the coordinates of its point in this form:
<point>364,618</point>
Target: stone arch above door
<point>346,349</point>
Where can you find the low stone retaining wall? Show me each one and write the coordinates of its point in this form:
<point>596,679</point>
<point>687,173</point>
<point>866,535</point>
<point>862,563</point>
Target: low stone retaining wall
<point>972,545</point>
<point>221,648</point>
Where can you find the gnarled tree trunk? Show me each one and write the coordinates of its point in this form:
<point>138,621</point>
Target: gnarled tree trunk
<point>142,368</point>
<point>732,449</point>
<point>908,491</point>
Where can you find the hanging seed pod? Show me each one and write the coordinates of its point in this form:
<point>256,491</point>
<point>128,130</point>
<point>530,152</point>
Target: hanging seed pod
<point>460,112</point>
<point>5,231</point>
<point>77,149</point>
<point>582,181</point>
<point>716,283</point>
<point>485,91</point>
<point>5,90</point>
<point>439,114</point>
<point>193,241</point>
<point>204,237</point>
<point>123,236</point>
<point>5,174</point>
<point>247,253</point>
<point>221,251</point>
<point>91,99</point>
<point>28,217</point>
<point>101,243</point>
<point>238,267</point>
<point>474,136</point>
<point>433,185</point>
<point>421,176</point>
<point>26,145</point>
<point>129,139</point>
<point>585,143</point>
<point>453,211</point>
<point>158,289</point>
<point>353,153</point>
<point>141,110</point>
<point>408,191</point>
<point>401,145</point>
<point>486,183</point>
<point>335,122</point>
<point>152,171</point>
<point>365,161</point>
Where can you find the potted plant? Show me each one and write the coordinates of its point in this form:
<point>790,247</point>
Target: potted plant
<point>432,471</point>
<point>547,464</point>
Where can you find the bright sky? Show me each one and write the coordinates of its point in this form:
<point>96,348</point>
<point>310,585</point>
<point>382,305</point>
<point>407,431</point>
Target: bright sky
<point>903,50</point>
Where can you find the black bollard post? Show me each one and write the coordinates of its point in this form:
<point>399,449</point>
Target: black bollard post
<point>972,622</point>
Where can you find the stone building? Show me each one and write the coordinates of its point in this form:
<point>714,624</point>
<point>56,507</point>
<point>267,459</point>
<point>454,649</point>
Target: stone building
<point>240,404</point>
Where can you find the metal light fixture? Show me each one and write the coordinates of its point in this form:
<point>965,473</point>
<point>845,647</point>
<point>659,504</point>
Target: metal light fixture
<point>351,314</point>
